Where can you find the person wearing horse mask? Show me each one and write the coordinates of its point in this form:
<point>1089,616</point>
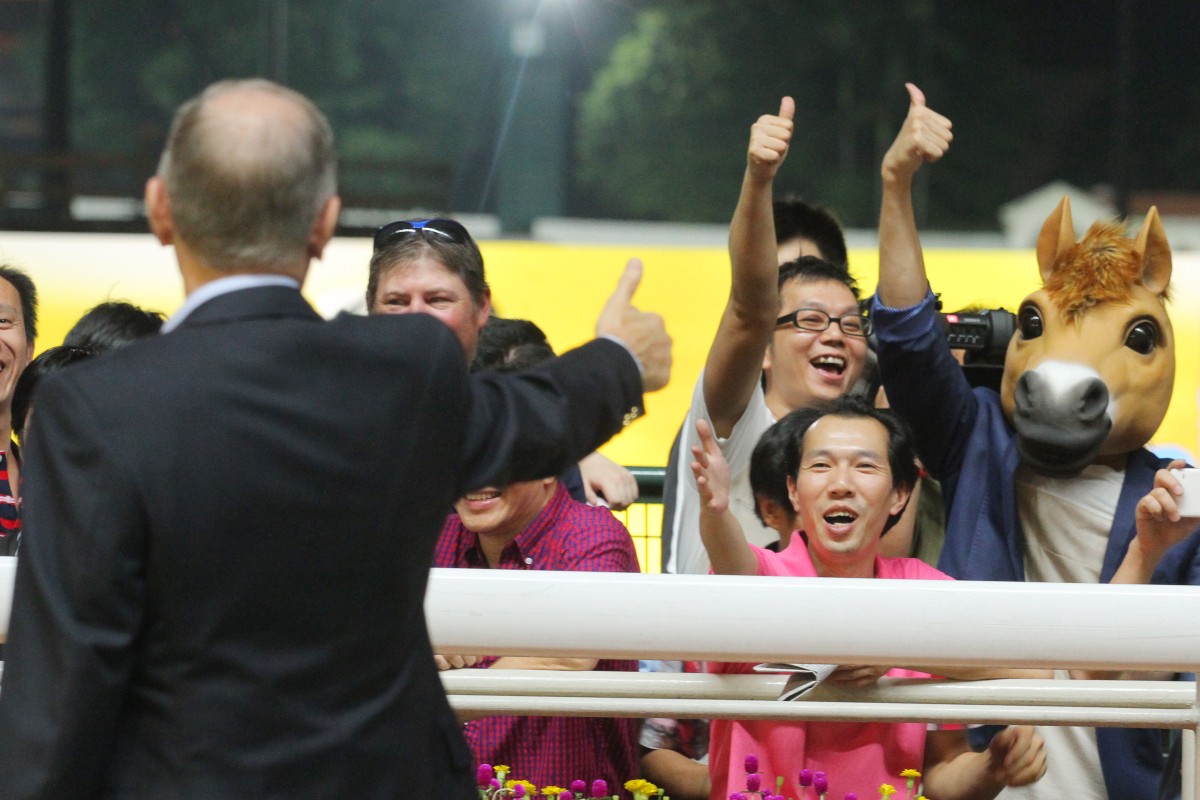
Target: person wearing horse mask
<point>1042,479</point>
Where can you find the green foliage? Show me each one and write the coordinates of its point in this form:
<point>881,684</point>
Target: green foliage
<point>651,132</point>
<point>664,126</point>
<point>391,77</point>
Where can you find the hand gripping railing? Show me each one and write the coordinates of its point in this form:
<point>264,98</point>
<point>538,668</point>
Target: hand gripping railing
<point>723,618</point>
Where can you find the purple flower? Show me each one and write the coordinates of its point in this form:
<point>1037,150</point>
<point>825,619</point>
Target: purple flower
<point>519,790</point>
<point>820,783</point>
<point>483,775</point>
<point>851,796</point>
<point>494,783</point>
<point>753,782</point>
<point>806,777</point>
<point>737,796</point>
<point>599,788</point>
<point>751,763</point>
<point>578,786</point>
<point>565,795</point>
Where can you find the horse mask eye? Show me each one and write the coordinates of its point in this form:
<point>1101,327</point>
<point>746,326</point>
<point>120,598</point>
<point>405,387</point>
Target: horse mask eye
<point>1142,337</point>
<point>1030,322</point>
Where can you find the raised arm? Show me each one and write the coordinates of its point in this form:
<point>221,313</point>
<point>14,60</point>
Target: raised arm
<point>735,358</point>
<point>1160,527</point>
<point>925,136</point>
<point>728,551</point>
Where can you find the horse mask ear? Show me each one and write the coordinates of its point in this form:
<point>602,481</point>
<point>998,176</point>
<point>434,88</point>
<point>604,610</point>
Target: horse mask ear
<point>1152,246</point>
<point>1057,236</point>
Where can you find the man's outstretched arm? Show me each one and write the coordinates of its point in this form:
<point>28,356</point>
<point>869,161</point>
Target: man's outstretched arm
<point>534,423</point>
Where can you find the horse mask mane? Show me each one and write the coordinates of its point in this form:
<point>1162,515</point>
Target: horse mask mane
<point>1088,376</point>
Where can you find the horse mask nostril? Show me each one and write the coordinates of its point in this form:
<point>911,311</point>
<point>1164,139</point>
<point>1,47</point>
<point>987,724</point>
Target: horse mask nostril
<point>1029,387</point>
<point>1093,400</point>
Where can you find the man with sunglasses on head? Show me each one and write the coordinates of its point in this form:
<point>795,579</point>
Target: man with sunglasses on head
<point>791,334</point>
<point>434,267</point>
<point>230,526</point>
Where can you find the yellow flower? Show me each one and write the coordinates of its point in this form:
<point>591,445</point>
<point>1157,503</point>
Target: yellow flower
<point>922,797</point>
<point>910,773</point>
<point>501,768</point>
<point>530,789</point>
<point>640,786</point>
<point>886,790</point>
<point>552,791</point>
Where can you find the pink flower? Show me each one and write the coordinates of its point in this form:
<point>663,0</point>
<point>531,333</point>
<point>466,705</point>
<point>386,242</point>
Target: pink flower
<point>483,775</point>
<point>851,796</point>
<point>753,782</point>
<point>494,783</point>
<point>751,763</point>
<point>599,788</point>
<point>578,786</point>
<point>820,782</point>
<point>565,795</point>
<point>806,777</point>
<point>519,790</point>
<point>738,796</point>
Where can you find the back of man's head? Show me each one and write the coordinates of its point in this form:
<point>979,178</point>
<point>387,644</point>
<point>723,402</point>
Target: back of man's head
<point>248,167</point>
<point>510,345</point>
<point>796,219</point>
<point>769,467</point>
<point>114,324</point>
<point>51,360</point>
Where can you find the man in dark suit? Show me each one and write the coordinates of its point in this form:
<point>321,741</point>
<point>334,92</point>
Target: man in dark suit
<point>229,527</point>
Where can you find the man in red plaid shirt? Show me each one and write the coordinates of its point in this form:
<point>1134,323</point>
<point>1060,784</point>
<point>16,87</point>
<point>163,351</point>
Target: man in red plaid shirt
<point>536,525</point>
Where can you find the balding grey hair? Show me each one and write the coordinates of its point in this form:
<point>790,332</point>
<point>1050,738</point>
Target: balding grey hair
<point>246,184</point>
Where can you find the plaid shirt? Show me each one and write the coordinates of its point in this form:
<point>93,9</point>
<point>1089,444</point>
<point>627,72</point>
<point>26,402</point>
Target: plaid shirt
<point>565,535</point>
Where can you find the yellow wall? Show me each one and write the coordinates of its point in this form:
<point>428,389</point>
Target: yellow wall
<point>563,288</point>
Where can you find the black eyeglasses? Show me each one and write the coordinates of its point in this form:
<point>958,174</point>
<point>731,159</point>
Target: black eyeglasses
<point>447,229</point>
<point>815,320</point>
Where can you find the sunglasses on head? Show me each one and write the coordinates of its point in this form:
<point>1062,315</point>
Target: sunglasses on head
<point>447,229</point>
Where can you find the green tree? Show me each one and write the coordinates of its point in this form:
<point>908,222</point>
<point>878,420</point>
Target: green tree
<point>664,125</point>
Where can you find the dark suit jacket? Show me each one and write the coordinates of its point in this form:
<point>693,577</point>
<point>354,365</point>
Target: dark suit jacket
<point>229,532</point>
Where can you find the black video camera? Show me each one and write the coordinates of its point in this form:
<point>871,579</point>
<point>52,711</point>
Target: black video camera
<point>983,334</point>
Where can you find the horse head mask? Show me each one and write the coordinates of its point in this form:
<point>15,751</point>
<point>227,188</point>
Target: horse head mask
<point>1088,375</point>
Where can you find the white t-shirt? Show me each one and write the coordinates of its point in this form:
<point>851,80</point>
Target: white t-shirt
<point>1066,523</point>
<point>688,556</point>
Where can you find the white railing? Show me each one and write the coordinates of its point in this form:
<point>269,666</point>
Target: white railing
<point>722,618</point>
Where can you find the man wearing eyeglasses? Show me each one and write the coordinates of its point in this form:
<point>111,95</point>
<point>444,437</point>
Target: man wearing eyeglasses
<point>790,335</point>
<point>230,526</point>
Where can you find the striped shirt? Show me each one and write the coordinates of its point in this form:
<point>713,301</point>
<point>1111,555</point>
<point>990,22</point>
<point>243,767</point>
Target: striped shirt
<point>571,536</point>
<point>10,509</point>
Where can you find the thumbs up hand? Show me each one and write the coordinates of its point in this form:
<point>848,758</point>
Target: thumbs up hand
<point>924,136</point>
<point>642,332</point>
<point>770,137</point>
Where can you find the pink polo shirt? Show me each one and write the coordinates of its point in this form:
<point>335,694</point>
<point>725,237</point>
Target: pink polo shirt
<point>855,756</point>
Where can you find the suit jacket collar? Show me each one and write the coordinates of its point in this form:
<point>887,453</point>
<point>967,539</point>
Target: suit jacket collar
<point>255,303</point>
